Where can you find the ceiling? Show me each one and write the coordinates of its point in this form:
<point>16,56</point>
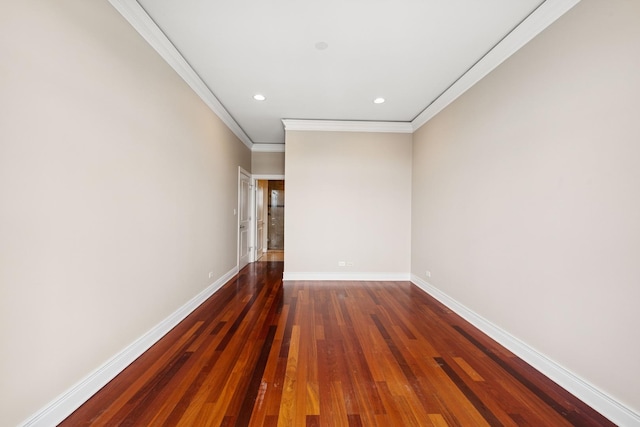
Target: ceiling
<point>329,59</point>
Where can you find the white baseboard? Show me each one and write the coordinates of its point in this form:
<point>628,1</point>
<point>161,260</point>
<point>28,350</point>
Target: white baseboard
<point>583,390</point>
<point>381,277</point>
<point>72,399</point>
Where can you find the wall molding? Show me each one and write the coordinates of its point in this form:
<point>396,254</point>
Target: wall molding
<point>381,277</point>
<point>61,407</point>
<point>147,28</point>
<point>347,126</point>
<point>582,389</point>
<point>268,148</point>
<point>547,13</point>
<point>267,177</point>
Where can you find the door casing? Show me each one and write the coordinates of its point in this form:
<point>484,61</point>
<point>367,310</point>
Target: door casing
<point>246,200</point>
<point>254,215</point>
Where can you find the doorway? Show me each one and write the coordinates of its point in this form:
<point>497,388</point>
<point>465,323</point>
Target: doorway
<point>270,205</point>
<point>275,214</point>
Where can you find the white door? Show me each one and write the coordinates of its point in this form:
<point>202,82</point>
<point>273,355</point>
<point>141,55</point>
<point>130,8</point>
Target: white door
<point>244,219</point>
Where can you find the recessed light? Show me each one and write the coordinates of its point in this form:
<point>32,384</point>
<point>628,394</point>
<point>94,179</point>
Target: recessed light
<point>378,100</point>
<point>259,97</point>
<point>322,45</point>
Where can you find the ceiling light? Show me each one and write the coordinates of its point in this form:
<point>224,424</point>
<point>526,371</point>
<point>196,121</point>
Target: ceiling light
<point>322,45</point>
<point>259,97</point>
<point>378,100</point>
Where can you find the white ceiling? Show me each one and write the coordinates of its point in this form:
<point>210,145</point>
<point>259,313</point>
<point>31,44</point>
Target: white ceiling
<point>408,51</point>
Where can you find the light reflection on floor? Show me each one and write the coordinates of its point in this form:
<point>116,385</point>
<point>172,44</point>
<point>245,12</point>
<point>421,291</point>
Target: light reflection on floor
<point>272,255</point>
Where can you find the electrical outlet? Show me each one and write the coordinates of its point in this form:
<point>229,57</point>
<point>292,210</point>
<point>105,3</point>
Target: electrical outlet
<point>427,273</point>
<point>341,263</point>
<point>211,275</point>
<point>349,263</point>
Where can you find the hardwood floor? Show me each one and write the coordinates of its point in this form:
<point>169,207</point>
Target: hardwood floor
<point>272,255</point>
<point>328,354</point>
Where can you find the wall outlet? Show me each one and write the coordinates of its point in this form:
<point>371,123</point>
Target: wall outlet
<point>349,263</point>
<point>427,273</point>
<point>211,275</point>
<point>341,263</point>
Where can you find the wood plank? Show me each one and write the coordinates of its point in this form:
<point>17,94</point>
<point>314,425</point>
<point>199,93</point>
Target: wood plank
<point>468,369</point>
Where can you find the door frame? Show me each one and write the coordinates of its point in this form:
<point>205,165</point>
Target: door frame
<point>251,226</point>
<point>254,223</point>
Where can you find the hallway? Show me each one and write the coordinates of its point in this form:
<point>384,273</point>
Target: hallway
<point>260,352</point>
<point>272,255</point>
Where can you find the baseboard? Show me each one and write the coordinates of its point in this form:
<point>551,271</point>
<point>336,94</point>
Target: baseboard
<point>381,277</point>
<point>583,390</point>
<point>66,403</point>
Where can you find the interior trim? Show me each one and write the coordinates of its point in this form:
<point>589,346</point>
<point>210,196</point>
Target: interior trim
<point>57,410</point>
<point>583,390</point>
<point>347,126</point>
<point>61,407</point>
<point>268,148</point>
<point>538,20</point>
<point>267,177</point>
<point>380,277</point>
<point>143,24</point>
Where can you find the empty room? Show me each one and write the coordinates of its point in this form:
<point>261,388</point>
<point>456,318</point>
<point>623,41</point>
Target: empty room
<point>329,213</point>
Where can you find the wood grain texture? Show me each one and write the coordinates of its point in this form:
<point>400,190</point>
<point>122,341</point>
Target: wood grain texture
<point>261,352</point>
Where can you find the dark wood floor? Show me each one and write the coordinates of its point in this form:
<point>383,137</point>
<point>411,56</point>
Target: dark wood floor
<point>328,354</point>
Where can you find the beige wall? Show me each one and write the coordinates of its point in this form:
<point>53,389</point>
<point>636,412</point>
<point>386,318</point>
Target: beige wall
<point>348,199</point>
<point>526,196</point>
<point>117,190</point>
<point>264,163</point>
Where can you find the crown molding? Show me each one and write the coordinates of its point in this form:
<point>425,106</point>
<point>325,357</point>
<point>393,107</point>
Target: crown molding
<point>268,148</point>
<point>347,126</point>
<point>538,20</point>
<point>147,28</point>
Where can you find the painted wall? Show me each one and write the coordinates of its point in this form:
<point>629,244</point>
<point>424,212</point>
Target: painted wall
<point>348,199</point>
<point>117,190</point>
<point>526,196</point>
<point>265,163</point>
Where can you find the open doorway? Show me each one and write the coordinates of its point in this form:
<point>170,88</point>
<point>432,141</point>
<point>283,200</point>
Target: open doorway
<point>270,204</point>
